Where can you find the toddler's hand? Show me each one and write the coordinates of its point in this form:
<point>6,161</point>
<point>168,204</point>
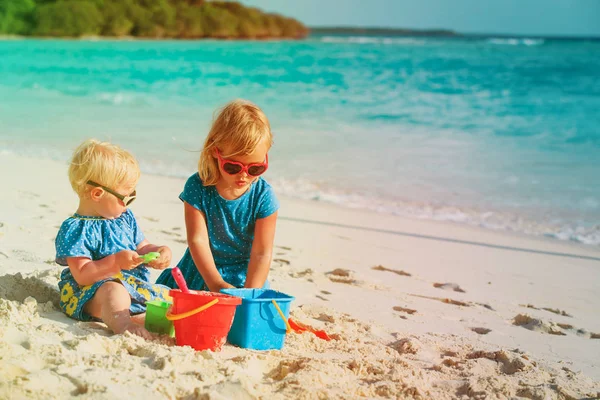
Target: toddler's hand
<point>127,259</point>
<point>164,260</point>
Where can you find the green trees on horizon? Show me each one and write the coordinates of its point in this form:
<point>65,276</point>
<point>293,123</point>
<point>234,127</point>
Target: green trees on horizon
<point>183,19</point>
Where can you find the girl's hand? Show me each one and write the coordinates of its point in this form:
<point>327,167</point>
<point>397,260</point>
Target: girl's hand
<point>216,287</point>
<point>164,260</point>
<point>127,259</point>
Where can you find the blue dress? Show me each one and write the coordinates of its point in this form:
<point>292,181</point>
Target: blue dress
<point>230,226</point>
<point>96,238</point>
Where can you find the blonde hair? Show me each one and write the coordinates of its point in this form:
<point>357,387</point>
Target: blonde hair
<point>240,126</point>
<point>102,162</point>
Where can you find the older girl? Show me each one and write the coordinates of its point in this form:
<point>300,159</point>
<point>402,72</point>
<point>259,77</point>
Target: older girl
<point>230,210</point>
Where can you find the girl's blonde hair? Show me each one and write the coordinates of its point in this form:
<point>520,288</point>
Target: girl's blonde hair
<point>104,163</point>
<point>240,126</point>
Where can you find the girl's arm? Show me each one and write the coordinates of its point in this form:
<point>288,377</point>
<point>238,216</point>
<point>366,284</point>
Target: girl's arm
<point>262,251</point>
<point>199,244</point>
<point>87,272</point>
<point>165,254</point>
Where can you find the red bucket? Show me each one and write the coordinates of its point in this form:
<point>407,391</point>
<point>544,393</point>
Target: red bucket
<point>202,319</point>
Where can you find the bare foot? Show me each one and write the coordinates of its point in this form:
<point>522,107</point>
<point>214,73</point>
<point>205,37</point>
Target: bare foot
<point>122,321</point>
<point>136,330</point>
<point>139,319</point>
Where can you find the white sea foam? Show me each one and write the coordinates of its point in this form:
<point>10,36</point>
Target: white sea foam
<point>374,40</point>
<point>516,41</point>
<point>115,98</point>
<point>489,219</point>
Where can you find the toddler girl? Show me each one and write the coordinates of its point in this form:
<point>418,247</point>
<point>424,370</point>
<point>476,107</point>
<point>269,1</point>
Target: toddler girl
<point>101,243</point>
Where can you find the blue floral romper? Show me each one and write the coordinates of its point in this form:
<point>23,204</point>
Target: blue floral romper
<point>96,238</point>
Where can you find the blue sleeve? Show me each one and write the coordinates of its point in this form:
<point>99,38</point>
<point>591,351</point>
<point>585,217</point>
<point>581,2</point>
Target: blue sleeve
<point>136,232</point>
<point>267,203</point>
<point>193,192</point>
<point>72,241</point>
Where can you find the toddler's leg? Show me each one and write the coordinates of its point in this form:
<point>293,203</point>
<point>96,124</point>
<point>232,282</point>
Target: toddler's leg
<point>111,304</point>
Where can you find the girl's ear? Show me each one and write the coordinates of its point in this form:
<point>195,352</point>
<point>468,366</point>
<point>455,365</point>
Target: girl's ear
<point>96,194</point>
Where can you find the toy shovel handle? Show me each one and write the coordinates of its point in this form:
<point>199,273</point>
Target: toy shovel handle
<point>287,324</point>
<point>179,279</point>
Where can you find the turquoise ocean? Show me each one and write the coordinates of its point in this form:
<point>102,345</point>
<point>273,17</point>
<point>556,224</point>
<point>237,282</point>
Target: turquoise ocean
<point>502,133</point>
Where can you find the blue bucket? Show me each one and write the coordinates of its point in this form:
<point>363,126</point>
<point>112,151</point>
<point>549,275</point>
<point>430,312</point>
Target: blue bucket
<point>257,324</point>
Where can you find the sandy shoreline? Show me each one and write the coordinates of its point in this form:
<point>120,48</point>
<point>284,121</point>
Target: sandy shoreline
<point>448,311</point>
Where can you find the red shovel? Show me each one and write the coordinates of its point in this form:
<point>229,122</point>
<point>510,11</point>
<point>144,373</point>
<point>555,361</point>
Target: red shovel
<point>299,328</point>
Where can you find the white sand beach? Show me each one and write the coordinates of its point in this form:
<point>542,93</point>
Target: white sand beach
<point>417,309</point>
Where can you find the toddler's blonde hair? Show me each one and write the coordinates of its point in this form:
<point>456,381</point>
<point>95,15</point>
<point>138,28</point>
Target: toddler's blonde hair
<point>240,126</point>
<point>104,163</point>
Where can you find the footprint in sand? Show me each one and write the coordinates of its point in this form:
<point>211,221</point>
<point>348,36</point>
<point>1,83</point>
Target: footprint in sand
<point>346,276</point>
<point>305,273</point>
<point>325,292</point>
<point>340,275</point>
<point>486,306</point>
<point>443,300</point>
<point>283,251</point>
<point>449,286</point>
<point>29,194</point>
<point>552,310</point>
<point>279,262</point>
<point>510,362</point>
<point>286,367</point>
<point>552,328</point>
<point>395,271</point>
<point>537,325</point>
<point>325,317</point>
<point>406,346</point>
<point>404,310</point>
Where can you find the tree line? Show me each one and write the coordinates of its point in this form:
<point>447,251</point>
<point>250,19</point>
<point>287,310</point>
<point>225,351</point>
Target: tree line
<point>181,19</point>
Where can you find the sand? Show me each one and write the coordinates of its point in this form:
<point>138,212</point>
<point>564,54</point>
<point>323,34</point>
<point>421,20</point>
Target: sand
<point>417,309</point>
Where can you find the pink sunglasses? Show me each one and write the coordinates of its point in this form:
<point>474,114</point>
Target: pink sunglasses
<point>234,167</point>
